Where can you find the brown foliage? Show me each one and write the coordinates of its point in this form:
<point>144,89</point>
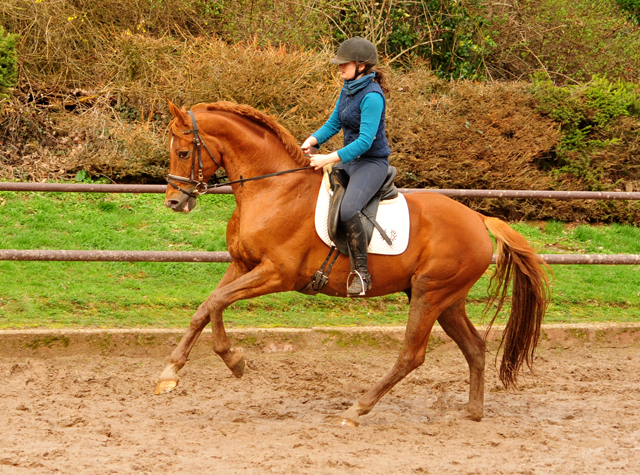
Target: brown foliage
<point>72,42</point>
<point>119,130</point>
<point>471,135</point>
<point>100,105</point>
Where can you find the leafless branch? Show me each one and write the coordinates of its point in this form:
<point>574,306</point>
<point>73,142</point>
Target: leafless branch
<point>410,48</point>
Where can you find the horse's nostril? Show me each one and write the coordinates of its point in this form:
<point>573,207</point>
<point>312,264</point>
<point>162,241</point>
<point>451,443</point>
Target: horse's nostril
<point>171,203</point>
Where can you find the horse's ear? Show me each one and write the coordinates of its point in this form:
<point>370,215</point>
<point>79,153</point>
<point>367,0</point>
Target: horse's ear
<point>177,113</point>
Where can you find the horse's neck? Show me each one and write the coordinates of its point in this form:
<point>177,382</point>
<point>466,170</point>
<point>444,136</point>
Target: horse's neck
<point>250,151</point>
<point>253,150</point>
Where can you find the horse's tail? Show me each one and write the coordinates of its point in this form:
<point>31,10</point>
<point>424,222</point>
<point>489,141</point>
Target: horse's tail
<point>516,261</point>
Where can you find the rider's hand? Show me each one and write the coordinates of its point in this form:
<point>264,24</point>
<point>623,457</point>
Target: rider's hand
<point>319,161</point>
<point>307,144</point>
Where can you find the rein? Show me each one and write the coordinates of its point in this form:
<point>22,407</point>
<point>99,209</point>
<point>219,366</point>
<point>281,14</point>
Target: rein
<point>201,186</point>
<point>260,177</point>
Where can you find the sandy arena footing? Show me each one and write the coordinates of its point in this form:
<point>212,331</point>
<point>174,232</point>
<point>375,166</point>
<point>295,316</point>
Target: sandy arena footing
<point>82,401</point>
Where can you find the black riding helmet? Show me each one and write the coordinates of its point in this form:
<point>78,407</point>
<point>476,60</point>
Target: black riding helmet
<point>356,49</point>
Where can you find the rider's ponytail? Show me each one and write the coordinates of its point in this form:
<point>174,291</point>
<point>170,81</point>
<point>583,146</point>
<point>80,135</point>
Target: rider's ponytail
<point>382,79</point>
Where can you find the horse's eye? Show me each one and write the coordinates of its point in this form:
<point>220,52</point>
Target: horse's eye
<point>183,154</point>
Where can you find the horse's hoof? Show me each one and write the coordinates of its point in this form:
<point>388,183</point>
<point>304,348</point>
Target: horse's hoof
<point>467,414</point>
<point>348,422</point>
<point>474,416</point>
<point>341,420</point>
<point>235,362</point>
<point>474,413</point>
<point>165,386</point>
<point>238,368</point>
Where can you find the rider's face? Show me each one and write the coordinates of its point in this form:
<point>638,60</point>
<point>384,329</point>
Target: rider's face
<point>348,70</point>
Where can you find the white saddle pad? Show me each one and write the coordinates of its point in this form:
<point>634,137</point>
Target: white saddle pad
<point>393,217</point>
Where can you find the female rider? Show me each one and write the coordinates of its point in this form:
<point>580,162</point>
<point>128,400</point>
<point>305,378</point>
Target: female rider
<point>360,113</point>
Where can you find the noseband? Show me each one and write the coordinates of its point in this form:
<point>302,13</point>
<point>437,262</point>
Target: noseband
<point>200,185</point>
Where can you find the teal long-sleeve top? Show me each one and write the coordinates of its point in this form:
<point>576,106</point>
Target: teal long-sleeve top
<point>371,108</point>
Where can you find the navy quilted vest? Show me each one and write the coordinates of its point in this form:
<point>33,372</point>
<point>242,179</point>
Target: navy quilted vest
<point>349,114</point>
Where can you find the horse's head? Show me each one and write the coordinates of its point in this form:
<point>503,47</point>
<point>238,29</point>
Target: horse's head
<point>193,161</point>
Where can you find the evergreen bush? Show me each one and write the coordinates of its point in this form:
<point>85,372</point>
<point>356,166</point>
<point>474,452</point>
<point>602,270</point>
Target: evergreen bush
<point>8,62</point>
<point>632,7</point>
<point>586,113</point>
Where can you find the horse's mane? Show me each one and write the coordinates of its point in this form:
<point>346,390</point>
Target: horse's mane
<point>287,139</point>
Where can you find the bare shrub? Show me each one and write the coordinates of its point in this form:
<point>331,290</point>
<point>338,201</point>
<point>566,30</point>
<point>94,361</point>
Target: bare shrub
<point>568,40</point>
<point>470,135</point>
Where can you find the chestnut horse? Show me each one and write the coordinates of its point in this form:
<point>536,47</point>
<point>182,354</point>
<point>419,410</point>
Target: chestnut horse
<point>275,248</point>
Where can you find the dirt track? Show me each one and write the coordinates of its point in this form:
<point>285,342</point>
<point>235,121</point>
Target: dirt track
<point>580,413</point>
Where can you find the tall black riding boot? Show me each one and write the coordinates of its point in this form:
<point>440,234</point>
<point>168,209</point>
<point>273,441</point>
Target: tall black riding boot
<point>357,243</point>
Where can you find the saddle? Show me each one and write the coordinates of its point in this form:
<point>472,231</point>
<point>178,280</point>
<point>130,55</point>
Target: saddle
<point>338,180</point>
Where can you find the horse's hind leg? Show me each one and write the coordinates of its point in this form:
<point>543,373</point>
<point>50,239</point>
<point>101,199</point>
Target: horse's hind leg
<point>169,378</point>
<point>456,324</point>
<point>422,316</point>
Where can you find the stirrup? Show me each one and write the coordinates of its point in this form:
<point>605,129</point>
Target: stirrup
<point>364,285</point>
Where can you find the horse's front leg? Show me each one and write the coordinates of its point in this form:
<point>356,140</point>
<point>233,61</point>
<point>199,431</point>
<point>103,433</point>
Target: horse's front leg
<point>262,280</point>
<point>169,378</point>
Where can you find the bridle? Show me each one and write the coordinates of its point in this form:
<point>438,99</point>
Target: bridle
<point>196,164</point>
<point>201,186</point>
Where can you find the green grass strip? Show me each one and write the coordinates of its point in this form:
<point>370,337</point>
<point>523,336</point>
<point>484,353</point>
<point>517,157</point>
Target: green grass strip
<point>147,294</point>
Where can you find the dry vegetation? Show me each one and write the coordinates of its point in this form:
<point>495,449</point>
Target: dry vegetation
<point>568,40</point>
<point>93,90</point>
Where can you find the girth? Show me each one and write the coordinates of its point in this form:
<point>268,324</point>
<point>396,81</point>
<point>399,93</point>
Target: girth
<point>338,180</point>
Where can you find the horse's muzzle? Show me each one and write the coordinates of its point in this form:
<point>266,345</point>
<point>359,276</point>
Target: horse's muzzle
<point>183,204</point>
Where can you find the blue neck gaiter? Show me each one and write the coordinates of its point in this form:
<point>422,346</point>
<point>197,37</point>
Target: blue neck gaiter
<point>358,84</point>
